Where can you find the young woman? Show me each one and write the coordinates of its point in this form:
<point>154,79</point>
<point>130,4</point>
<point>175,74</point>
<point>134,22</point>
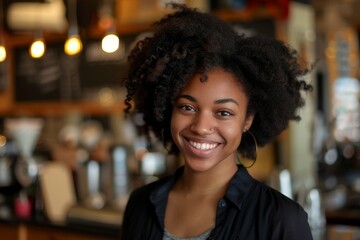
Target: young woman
<point>210,95</point>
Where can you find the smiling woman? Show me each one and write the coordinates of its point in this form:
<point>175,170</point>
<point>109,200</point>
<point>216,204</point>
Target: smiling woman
<point>202,88</point>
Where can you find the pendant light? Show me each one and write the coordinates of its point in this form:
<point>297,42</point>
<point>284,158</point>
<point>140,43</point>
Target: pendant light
<point>73,44</point>
<point>2,52</point>
<point>110,42</point>
<point>2,41</point>
<point>37,47</point>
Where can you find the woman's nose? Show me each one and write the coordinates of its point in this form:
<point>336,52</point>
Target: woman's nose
<point>203,124</point>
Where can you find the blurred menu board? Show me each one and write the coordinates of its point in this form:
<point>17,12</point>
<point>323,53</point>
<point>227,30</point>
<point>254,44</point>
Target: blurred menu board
<point>40,79</point>
<point>3,76</point>
<point>99,69</point>
<point>58,77</point>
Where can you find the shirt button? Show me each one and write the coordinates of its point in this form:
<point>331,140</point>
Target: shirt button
<point>222,203</point>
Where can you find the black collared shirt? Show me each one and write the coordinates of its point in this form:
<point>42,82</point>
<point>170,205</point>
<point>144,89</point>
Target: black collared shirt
<point>249,210</point>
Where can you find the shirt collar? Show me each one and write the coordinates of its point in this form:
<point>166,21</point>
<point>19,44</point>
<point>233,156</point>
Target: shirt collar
<point>239,186</point>
<point>159,196</point>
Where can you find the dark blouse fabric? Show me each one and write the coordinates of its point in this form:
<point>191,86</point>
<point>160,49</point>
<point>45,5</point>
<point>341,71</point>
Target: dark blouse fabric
<point>249,210</point>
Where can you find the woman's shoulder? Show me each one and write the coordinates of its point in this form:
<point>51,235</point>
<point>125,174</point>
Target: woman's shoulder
<point>146,189</point>
<point>283,215</point>
<point>278,200</point>
<point>281,209</point>
<point>160,186</point>
<point>262,195</point>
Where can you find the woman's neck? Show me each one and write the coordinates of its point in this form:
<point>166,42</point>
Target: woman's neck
<point>210,182</point>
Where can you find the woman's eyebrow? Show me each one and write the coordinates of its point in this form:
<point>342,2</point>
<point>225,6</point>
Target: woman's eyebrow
<point>225,100</point>
<point>188,97</point>
<point>219,101</point>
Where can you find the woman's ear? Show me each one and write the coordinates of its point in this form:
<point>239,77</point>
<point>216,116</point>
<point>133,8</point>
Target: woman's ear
<point>248,121</point>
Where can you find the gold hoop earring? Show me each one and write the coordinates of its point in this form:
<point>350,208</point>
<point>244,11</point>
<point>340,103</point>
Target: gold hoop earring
<point>248,155</point>
<point>255,142</point>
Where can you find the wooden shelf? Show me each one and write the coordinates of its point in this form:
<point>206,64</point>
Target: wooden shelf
<point>25,38</point>
<point>27,230</point>
<point>63,108</point>
<point>247,14</point>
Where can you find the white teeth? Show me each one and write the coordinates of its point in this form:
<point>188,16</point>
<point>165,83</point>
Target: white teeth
<point>203,146</point>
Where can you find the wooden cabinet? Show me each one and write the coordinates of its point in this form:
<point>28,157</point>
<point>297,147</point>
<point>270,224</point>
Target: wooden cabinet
<point>41,233</point>
<point>9,232</point>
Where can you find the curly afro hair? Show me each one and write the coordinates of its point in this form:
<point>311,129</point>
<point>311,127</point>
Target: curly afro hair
<point>187,42</point>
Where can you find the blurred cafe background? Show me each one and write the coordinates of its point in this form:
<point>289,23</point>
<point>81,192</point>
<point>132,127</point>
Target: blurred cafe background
<point>69,158</point>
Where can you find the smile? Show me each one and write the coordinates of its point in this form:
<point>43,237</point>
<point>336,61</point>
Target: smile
<point>203,146</point>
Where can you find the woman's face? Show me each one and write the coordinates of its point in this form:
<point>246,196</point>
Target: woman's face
<point>208,120</point>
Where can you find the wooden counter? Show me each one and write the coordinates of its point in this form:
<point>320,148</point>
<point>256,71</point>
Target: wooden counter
<point>42,230</point>
<point>349,217</point>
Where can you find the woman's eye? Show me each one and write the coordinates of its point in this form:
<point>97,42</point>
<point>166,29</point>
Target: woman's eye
<point>224,113</point>
<point>186,108</point>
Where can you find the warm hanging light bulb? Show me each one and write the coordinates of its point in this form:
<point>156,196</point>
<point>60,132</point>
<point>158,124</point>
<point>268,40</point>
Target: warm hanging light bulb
<point>2,53</point>
<point>110,43</point>
<point>2,34</point>
<point>37,48</point>
<point>73,45</point>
